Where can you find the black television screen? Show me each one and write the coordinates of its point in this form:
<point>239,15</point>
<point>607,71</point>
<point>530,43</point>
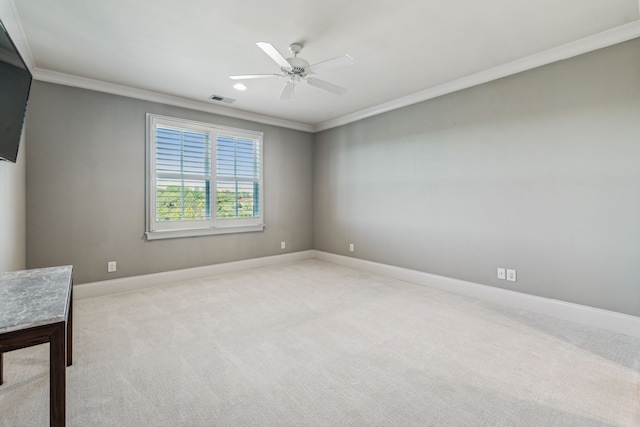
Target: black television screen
<point>15,82</point>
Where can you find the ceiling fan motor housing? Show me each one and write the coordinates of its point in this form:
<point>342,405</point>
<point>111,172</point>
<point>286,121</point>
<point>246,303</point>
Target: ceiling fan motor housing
<point>298,67</point>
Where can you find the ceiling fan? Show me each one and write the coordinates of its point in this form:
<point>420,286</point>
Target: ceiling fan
<point>297,70</point>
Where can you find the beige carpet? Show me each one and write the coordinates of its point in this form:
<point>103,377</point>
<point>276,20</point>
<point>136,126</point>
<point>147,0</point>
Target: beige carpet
<point>315,344</point>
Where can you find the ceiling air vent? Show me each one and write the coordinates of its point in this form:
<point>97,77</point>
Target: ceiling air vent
<point>222,99</point>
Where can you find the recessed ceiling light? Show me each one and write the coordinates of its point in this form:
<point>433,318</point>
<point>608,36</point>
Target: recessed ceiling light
<point>239,86</point>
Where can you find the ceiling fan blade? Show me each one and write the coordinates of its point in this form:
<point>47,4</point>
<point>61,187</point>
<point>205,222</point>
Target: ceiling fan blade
<point>287,91</point>
<point>254,76</point>
<point>338,90</point>
<point>274,54</point>
<point>331,64</point>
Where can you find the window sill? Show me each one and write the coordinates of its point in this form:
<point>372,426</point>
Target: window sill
<point>195,232</point>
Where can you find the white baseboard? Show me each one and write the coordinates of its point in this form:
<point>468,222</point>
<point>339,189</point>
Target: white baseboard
<point>125,284</point>
<point>589,316</point>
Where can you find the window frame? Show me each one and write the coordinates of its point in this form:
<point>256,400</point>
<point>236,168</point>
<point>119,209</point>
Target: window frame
<point>155,229</point>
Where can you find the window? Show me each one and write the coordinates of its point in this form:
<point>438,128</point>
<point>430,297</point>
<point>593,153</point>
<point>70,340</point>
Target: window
<point>202,179</point>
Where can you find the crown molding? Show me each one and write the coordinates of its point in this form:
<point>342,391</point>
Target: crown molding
<point>597,41</point>
<point>146,95</point>
<point>11,19</point>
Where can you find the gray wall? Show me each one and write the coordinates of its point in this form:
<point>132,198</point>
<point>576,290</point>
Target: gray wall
<point>539,172</point>
<point>86,188</point>
<point>12,212</point>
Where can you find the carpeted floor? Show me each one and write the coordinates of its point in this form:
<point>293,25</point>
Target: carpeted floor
<point>315,344</point>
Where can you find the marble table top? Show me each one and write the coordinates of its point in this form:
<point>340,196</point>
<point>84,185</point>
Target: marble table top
<point>34,297</point>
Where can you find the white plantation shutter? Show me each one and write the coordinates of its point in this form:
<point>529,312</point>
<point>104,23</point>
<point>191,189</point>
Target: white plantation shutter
<point>238,176</point>
<point>196,186</point>
<point>183,174</point>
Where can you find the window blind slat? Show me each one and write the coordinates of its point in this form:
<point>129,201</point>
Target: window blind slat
<point>183,152</point>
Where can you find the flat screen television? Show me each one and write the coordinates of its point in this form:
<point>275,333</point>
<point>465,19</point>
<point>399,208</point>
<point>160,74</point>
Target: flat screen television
<point>15,82</point>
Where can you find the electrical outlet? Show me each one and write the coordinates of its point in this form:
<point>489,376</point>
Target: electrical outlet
<point>502,273</point>
<point>283,245</point>
<point>111,266</point>
<point>511,275</point>
<point>352,247</point>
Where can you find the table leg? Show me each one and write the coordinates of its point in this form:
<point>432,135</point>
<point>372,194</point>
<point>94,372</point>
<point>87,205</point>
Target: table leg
<point>70,330</point>
<point>1,381</point>
<point>57,371</point>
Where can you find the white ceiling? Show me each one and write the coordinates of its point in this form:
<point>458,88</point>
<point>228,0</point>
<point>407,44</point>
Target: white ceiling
<point>404,50</point>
